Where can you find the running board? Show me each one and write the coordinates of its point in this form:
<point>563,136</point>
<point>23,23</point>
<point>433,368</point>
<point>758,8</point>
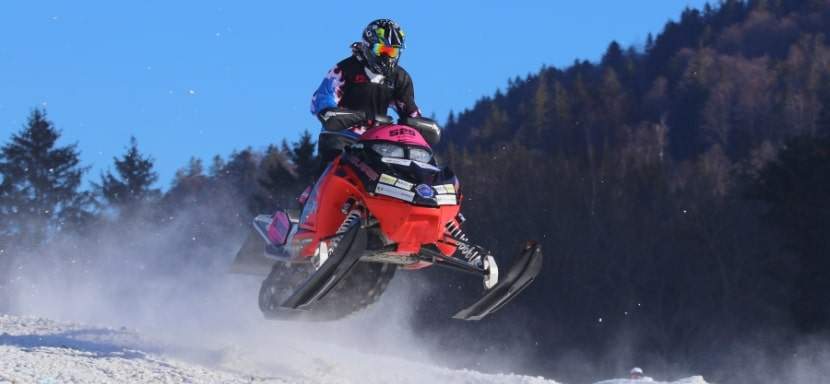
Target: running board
<point>525,268</point>
<point>345,257</point>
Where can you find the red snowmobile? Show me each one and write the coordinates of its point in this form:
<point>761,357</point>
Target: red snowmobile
<point>382,204</point>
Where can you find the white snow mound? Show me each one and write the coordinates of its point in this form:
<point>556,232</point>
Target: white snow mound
<point>41,351</point>
<point>34,350</point>
<point>688,380</point>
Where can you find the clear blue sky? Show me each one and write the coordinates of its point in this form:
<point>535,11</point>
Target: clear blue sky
<point>199,78</point>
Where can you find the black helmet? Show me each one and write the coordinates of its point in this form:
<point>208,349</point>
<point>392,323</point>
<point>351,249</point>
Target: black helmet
<point>383,42</point>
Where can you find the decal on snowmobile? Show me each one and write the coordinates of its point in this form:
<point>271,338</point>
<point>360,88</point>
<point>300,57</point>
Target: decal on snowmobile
<point>400,183</point>
<point>367,170</point>
<point>403,131</point>
<point>444,189</point>
<point>386,179</point>
<point>397,193</point>
<point>410,137</point>
<point>425,191</point>
<point>446,200</point>
<point>404,184</point>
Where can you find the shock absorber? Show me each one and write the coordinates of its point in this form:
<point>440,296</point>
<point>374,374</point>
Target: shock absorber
<point>351,218</point>
<point>470,252</point>
<point>324,248</point>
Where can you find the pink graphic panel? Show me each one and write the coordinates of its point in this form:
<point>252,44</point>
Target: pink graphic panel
<point>395,133</point>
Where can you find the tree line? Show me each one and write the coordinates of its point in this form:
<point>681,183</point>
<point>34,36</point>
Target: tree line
<point>679,190</point>
<point>42,199</point>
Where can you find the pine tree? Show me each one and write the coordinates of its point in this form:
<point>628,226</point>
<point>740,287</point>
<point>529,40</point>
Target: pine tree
<point>613,57</point>
<point>302,155</point>
<point>132,185</point>
<point>493,124</point>
<point>614,103</point>
<point>189,186</point>
<point>277,181</point>
<point>40,193</point>
<point>823,119</point>
<point>450,120</point>
<point>240,170</point>
<point>239,174</point>
<point>239,178</point>
<point>540,118</point>
<point>649,45</point>
<point>217,165</point>
<point>6,217</point>
<point>563,138</point>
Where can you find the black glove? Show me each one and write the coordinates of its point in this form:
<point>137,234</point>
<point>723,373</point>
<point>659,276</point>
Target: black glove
<point>338,119</point>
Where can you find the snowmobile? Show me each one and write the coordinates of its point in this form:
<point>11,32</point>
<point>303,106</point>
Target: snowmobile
<point>382,204</point>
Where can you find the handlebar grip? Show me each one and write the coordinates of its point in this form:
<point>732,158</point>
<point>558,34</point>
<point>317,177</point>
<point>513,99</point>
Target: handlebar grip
<point>338,119</point>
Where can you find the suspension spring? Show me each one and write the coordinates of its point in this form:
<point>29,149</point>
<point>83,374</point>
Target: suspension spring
<point>470,252</point>
<point>352,218</point>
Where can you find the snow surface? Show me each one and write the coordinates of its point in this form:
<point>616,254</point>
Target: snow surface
<point>35,350</point>
<point>648,380</point>
<point>168,321</point>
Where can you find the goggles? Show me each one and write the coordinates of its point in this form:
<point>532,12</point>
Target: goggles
<point>381,49</point>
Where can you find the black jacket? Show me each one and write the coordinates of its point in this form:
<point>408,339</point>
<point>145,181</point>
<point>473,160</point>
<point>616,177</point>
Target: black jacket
<point>350,85</point>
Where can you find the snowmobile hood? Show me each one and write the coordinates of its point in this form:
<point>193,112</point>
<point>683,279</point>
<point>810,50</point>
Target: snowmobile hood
<point>400,134</point>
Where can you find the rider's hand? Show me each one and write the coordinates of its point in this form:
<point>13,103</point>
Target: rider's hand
<point>338,119</point>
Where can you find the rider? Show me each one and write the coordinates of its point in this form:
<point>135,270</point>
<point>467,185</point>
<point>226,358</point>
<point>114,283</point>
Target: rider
<point>362,87</point>
<point>357,92</point>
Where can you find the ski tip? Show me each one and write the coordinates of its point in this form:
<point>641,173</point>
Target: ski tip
<point>532,245</point>
<point>524,270</point>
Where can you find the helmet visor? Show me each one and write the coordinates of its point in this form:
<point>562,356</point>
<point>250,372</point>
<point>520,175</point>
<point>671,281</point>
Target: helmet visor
<point>381,50</point>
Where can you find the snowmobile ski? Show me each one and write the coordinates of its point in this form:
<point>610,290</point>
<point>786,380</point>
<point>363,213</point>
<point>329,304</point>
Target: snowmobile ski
<point>345,256</point>
<point>525,268</point>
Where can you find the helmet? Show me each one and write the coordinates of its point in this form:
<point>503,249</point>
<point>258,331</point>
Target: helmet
<point>383,41</point>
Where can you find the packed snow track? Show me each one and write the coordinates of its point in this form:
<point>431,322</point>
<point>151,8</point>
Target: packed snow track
<point>34,350</point>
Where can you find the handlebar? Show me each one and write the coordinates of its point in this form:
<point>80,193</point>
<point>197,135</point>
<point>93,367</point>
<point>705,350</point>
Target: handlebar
<point>339,119</point>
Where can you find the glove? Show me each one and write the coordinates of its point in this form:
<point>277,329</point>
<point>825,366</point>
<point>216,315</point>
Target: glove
<point>338,119</point>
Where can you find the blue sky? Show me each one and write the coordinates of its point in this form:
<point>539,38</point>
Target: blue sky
<point>200,78</point>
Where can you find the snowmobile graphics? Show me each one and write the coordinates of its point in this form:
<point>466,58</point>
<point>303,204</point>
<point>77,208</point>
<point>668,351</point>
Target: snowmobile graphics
<point>382,204</point>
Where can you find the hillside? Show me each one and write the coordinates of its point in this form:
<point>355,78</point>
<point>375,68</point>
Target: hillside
<point>676,189</point>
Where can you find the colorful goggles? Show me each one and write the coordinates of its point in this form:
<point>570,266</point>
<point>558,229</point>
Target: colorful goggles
<point>381,49</point>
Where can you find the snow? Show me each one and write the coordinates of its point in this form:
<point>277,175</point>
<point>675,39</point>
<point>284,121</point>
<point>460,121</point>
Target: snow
<point>36,350</point>
<point>648,380</point>
<point>202,325</point>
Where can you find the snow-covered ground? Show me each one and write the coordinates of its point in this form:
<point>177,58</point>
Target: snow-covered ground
<point>41,351</point>
<point>34,350</point>
<point>688,380</point>
<point>115,321</point>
